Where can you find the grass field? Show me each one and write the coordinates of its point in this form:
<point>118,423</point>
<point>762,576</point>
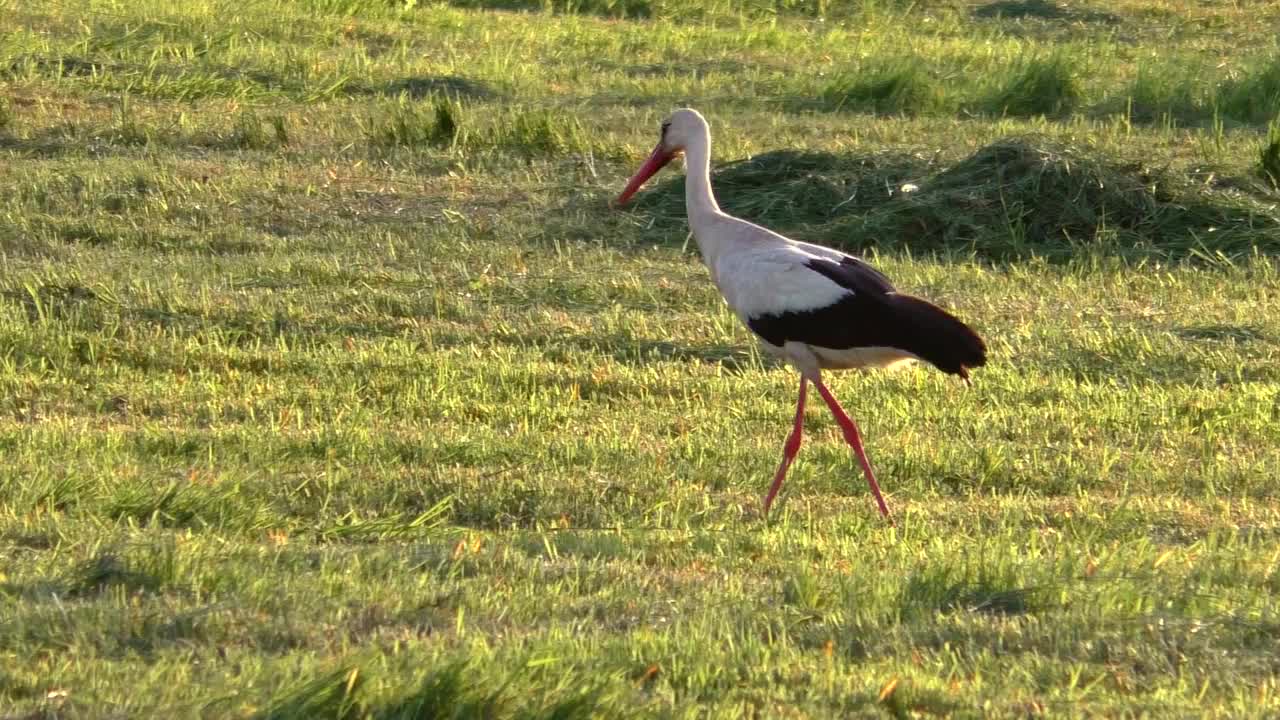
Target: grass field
<point>332,387</point>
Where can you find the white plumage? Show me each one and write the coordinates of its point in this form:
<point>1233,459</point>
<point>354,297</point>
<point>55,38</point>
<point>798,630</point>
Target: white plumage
<point>772,279</point>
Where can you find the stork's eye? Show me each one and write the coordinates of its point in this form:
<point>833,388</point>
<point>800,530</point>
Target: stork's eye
<point>665,127</point>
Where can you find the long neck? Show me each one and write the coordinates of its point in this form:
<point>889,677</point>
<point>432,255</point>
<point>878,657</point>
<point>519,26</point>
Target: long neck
<point>700,202</point>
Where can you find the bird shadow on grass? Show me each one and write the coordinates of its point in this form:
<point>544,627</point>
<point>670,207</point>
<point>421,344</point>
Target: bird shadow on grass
<point>1013,199</point>
<point>1040,10</point>
<point>697,69</point>
<point>60,66</point>
<point>1044,20</point>
<point>614,9</point>
<point>47,142</point>
<point>1222,333</point>
<point>454,688</point>
<point>734,359</point>
<point>418,87</point>
<point>933,590</point>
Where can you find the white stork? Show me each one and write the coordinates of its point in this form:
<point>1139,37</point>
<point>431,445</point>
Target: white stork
<point>812,306</point>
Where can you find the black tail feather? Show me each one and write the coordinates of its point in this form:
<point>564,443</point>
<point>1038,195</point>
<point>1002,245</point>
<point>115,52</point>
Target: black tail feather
<point>935,335</point>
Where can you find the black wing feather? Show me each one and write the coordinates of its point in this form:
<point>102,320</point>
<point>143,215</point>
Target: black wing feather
<point>854,274</point>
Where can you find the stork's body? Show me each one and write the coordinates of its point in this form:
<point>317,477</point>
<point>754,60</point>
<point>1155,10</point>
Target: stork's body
<point>815,307</point>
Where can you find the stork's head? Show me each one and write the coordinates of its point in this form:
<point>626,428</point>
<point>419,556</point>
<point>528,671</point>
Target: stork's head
<point>681,127</point>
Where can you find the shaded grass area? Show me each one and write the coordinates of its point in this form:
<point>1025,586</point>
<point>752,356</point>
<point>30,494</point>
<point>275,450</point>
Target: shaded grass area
<point>1038,86</point>
<point>1255,96</point>
<point>896,86</point>
<point>1269,158</point>
<point>516,131</point>
<point>451,691</point>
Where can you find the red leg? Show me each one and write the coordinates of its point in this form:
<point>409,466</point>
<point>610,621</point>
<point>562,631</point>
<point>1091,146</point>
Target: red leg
<point>851,436</point>
<point>790,449</point>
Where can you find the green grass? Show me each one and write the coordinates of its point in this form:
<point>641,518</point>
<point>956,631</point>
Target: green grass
<point>1038,86</point>
<point>896,86</point>
<point>1255,96</point>
<point>1164,95</point>
<point>1269,157</point>
<point>331,385</point>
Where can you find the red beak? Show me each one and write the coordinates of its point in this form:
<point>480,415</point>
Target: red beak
<point>656,161</point>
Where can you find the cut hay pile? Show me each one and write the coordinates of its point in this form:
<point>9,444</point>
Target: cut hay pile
<point>1014,198</point>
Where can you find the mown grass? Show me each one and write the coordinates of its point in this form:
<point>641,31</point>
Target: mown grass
<point>1269,157</point>
<point>1038,86</point>
<point>895,86</point>
<point>333,387</point>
